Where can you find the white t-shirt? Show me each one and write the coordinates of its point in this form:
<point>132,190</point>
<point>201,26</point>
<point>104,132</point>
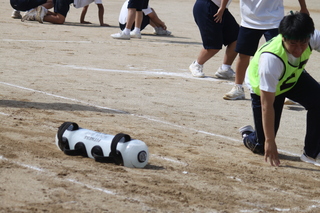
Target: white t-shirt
<point>261,14</point>
<point>124,12</point>
<point>218,2</point>
<point>83,3</point>
<point>271,67</point>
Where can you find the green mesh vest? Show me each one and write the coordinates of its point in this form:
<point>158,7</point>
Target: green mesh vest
<point>290,73</point>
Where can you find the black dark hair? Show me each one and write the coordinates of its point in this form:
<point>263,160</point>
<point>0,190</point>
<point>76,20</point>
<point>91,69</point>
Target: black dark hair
<point>296,26</point>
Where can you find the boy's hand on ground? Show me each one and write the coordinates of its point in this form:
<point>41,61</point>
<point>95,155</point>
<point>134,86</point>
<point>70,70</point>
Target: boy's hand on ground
<point>271,153</point>
<point>85,22</point>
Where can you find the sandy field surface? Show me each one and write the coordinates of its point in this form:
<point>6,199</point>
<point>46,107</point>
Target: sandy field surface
<point>55,73</point>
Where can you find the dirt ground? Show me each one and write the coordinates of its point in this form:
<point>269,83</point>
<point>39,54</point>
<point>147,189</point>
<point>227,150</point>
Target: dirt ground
<point>55,73</point>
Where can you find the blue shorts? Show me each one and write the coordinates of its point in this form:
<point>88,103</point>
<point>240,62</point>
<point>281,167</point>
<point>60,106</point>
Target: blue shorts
<point>248,39</point>
<point>213,34</point>
<point>24,5</point>
<point>62,6</point>
<point>138,4</point>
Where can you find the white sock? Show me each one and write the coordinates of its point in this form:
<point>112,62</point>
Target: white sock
<point>126,31</point>
<point>136,29</point>
<point>196,63</point>
<point>239,85</point>
<point>45,10</point>
<point>225,66</point>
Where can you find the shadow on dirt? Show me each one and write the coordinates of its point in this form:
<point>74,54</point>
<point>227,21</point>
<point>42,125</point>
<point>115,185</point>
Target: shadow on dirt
<point>58,106</point>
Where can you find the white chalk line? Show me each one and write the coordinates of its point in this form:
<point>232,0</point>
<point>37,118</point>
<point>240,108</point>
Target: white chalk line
<point>45,41</point>
<point>43,171</point>
<point>2,113</point>
<point>148,72</point>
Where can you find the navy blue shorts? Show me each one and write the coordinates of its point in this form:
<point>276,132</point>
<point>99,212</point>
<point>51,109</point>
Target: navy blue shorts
<point>213,34</point>
<point>145,22</point>
<point>248,39</point>
<point>138,4</point>
<point>62,6</point>
<point>24,5</point>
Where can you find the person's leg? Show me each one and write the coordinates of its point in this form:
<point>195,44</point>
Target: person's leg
<point>83,15</point>
<point>211,34</point>
<point>145,22</point>
<point>130,18</point>
<point>61,9</point>
<point>134,14</point>
<point>307,93</point>
<point>138,19</point>
<point>48,4</point>
<point>206,54</point>
<point>247,44</point>
<point>55,18</point>
<point>230,54</point>
<point>241,67</point>
<point>230,31</point>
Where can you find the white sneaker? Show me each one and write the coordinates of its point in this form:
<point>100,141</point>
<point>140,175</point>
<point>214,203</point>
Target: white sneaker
<point>196,70</point>
<point>225,74</point>
<point>134,34</point>
<point>30,15</point>
<point>288,101</point>
<point>121,35</point>
<point>307,159</point>
<point>236,93</point>
<point>161,31</point>
<point>41,12</point>
<point>16,14</point>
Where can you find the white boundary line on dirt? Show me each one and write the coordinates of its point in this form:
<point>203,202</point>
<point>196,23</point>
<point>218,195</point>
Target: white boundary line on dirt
<point>148,72</point>
<point>45,41</point>
<point>140,116</point>
<point>2,113</point>
<point>37,169</point>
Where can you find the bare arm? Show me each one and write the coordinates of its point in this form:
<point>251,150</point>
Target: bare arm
<point>268,117</point>
<point>100,14</point>
<point>83,15</point>
<point>303,7</point>
<point>55,18</point>
<point>219,14</point>
<point>156,20</point>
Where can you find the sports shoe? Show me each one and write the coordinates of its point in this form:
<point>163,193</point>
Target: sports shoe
<point>134,34</point>
<point>236,93</point>
<point>225,74</point>
<point>307,159</point>
<point>41,12</point>
<point>16,14</point>
<point>288,101</point>
<point>29,15</point>
<point>196,70</point>
<point>121,35</point>
<point>246,130</point>
<point>161,31</point>
<point>252,145</point>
